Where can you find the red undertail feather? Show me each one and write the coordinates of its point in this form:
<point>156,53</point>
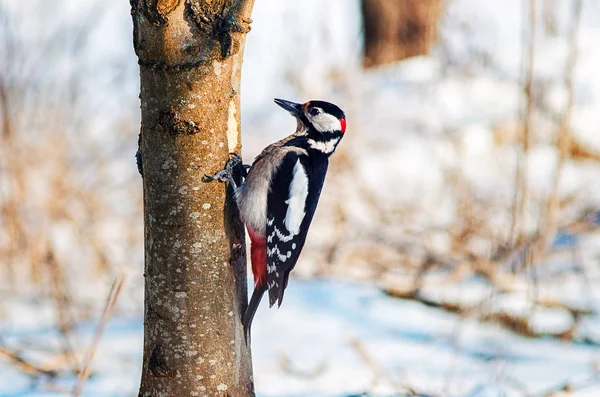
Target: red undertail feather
<point>258,256</point>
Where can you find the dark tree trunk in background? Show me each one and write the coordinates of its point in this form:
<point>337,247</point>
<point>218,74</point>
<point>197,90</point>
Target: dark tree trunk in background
<point>398,29</point>
<point>190,56</point>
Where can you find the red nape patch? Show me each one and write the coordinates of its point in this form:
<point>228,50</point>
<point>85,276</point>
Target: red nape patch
<point>343,124</point>
<point>258,256</point>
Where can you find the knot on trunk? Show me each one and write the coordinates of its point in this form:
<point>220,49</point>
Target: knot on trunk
<point>158,363</point>
<point>215,19</point>
<point>155,11</point>
<point>173,122</point>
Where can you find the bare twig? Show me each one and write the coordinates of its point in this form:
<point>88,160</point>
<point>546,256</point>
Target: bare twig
<point>62,301</point>
<point>376,371</point>
<point>548,229</point>
<point>379,373</point>
<point>290,368</point>
<point>111,301</point>
<point>25,365</point>
<point>521,196</point>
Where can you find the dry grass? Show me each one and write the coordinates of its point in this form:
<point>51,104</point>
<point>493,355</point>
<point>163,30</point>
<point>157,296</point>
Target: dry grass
<point>67,219</point>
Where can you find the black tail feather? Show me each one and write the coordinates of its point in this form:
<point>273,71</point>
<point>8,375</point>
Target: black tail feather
<point>251,310</point>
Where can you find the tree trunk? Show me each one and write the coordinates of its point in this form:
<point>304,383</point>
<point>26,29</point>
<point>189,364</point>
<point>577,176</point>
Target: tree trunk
<point>190,56</point>
<point>398,29</point>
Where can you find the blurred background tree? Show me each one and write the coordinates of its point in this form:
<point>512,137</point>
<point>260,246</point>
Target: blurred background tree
<point>400,29</point>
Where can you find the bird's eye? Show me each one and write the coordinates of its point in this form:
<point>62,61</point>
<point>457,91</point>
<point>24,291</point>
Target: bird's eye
<point>314,111</point>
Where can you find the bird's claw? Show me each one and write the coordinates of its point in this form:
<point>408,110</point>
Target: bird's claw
<point>221,176</point>
<point>207,178</point>
<point>225,175</point>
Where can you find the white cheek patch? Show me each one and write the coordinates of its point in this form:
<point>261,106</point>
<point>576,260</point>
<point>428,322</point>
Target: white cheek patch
<point>325,147</point>
<point>325,122</point>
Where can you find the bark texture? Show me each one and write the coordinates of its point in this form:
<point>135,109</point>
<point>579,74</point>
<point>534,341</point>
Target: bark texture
<point>190,56</point>
<point>398,29</point>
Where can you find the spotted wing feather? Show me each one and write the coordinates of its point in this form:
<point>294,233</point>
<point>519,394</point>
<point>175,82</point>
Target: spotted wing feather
<point>290,209</point>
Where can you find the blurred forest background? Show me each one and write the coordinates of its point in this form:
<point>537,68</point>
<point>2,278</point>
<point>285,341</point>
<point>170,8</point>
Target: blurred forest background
<point>455,250</point>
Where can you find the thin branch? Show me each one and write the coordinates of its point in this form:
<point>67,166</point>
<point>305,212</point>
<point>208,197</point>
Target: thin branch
<point>64,318</point>
<point>521,195</point>
<point>25,365</point>
<point>111,301</point>
<point>288,367</point>
<point>548,230</point>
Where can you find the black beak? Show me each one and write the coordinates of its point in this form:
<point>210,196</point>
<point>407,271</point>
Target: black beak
<point>294,108</point>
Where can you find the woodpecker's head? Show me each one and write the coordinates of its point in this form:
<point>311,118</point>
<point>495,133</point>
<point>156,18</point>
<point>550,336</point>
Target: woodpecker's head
<point>324,122</point>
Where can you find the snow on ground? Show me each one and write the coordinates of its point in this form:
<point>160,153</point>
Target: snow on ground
<point>334,338</point>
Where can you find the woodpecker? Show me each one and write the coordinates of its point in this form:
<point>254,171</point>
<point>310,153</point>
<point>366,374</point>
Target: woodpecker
<point>278,198</point>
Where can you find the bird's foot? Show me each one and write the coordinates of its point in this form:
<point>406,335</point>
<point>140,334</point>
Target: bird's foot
<point>226,175</point>
<point>221,176</point>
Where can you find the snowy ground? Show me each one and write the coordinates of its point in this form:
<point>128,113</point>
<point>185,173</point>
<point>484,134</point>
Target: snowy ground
<point>344,339</point>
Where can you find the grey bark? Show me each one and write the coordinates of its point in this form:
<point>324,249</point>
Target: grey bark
<point>190,57</point>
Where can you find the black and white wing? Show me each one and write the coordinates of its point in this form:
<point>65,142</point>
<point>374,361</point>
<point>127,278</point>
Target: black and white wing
<point>289,214</point>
